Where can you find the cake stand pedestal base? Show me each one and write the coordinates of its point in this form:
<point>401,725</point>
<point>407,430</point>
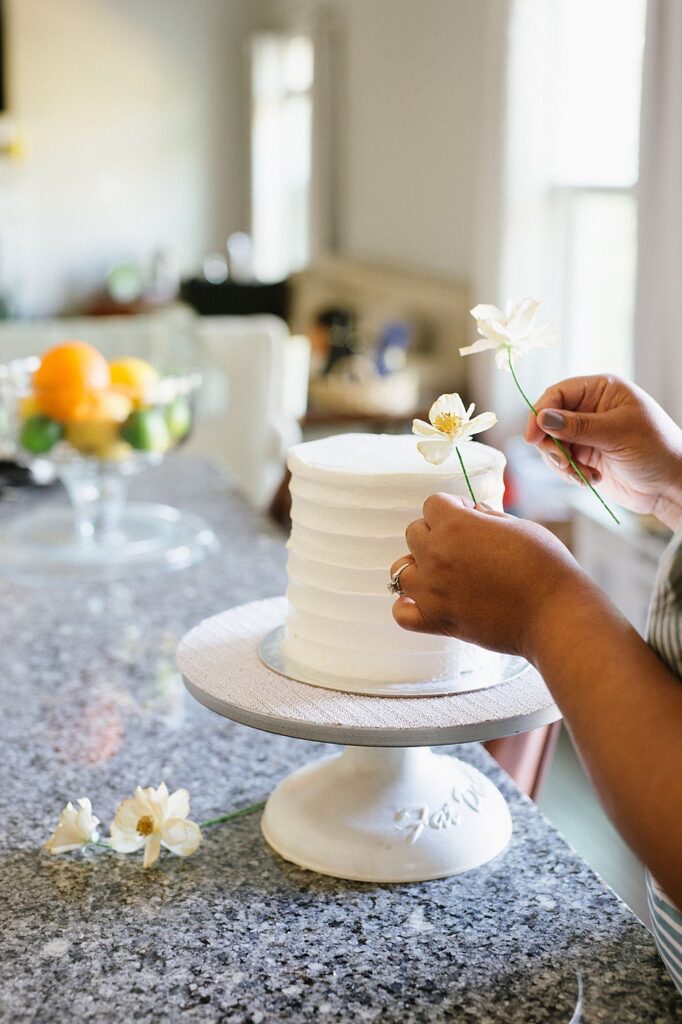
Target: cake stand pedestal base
<point>386,809</point>
<point>382,814</point>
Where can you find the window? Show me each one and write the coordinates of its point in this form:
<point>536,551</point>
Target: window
<point>574,83</point>
<point>281,144</point>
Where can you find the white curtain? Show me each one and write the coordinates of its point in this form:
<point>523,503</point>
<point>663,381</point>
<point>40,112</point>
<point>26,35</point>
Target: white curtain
<point>658,319</point>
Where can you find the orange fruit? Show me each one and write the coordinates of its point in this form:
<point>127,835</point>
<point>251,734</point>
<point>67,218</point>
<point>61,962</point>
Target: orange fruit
<point>134,377</point>
<point>105,407</point>
<point>68,374</point>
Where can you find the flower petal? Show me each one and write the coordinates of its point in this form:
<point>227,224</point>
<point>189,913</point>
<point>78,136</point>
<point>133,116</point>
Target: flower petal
<point>481,345</point>
<point>542,337</point>
<point>520,316</point>
<point>162,797</point>
<point>447,404</point>
<point>487,312</point>
<point>181,837</point>
<point>129,812</point>
<point>502,358</point>
<point>436,450</point>
<point>422,429</point>
<point>124,842</point>
<point>494,331</point>
<point>178,804</point>
<point>152,849</point>
<point>479,423</point>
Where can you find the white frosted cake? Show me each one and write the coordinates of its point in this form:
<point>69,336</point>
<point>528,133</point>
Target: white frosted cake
<point>353,495</point>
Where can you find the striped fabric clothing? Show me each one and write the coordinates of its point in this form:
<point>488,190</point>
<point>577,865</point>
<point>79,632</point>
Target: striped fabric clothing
<point>664,635</point>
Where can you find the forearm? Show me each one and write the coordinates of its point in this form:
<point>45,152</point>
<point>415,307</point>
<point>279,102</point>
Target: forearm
<point>624,710</point>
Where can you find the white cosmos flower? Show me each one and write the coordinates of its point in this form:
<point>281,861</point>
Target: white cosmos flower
<point>77,827</point>
<point>514,333</point>
<point>152,819</point>
<point>450,424</point>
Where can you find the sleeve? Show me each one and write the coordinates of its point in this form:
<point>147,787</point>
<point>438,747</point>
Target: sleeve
<point>664,635</point>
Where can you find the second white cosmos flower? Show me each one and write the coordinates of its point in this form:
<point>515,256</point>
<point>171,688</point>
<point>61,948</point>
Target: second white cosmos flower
<point>152,819</point>
<point>450,424</point>
<point>77,828</point>
<point>512,333</point>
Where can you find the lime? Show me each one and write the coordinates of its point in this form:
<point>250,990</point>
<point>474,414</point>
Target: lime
<point>146,430</point>
<point>39,434</point>
<point>178,418</point>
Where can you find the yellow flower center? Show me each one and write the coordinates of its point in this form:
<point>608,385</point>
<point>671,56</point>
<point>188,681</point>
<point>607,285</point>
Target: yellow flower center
<point>447,423</point>
<point>145,825</point>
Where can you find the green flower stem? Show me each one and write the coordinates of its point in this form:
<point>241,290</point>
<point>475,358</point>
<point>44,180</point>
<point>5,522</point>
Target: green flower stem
<point>233,814</point>
<point>466,475</point>
<point>562,447</point>
<point>212,821</point>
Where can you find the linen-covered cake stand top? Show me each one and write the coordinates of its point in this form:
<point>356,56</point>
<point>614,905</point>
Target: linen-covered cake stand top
<point>386,809</point>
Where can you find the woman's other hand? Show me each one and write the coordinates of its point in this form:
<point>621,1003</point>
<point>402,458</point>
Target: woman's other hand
<point>619,436</point>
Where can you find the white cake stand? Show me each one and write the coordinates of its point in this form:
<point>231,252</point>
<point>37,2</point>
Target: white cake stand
<point>386,809</point>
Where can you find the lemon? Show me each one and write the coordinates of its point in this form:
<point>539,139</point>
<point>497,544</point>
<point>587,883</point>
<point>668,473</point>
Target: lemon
<point>93,437</point>
<point>117,452</point>
<point>134,377</point>
<point>28,406</point>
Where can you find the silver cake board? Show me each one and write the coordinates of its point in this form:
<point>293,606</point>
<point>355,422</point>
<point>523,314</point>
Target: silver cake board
<point>387,809</point>
<point>493,670</point>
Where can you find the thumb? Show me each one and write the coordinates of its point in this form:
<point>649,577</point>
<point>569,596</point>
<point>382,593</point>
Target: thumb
<point>596,429</point>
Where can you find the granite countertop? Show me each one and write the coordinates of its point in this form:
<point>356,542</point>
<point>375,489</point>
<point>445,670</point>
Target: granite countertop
<point>92,704</point>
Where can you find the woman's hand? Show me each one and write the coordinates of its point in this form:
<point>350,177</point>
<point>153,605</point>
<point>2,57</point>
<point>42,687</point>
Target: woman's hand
<point>484,576</point>
<point>619,437</point>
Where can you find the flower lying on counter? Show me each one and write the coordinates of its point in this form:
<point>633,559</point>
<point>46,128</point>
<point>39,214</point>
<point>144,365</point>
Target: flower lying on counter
<point>515,334</point>
<point>76,828</point>
<point>152,818</point>
<point>450,424</point>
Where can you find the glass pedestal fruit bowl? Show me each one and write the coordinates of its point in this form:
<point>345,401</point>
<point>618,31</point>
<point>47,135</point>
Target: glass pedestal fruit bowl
<point>94,425</point>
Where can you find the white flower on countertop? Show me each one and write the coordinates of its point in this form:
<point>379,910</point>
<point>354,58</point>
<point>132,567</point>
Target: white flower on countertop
<point>450,424</point>
<point>152,819</point>
<point>77,827</point>
<point>512,334</point>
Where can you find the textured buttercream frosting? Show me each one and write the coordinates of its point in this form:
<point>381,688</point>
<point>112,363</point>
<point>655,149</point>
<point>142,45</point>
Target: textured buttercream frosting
<point>353,495</point>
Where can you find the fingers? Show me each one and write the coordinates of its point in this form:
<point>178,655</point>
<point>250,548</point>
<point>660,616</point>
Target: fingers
<point>417,535</point>
<point>558,461</point>
<point>481,506</point>
<point>566,411</point>
<point>567,394</point>
<point>436,505</point>
<point>399,562</point>
<point>407,615</point>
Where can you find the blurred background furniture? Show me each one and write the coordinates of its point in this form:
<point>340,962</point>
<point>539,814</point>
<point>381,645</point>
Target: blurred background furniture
<point>435,305</point>
<point>256,383</point>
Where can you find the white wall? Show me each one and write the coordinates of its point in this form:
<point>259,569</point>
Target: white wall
<point>409,141</point>
<point>135,114</point>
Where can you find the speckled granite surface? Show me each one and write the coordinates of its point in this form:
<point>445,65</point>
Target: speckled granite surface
<point>92,705</point>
